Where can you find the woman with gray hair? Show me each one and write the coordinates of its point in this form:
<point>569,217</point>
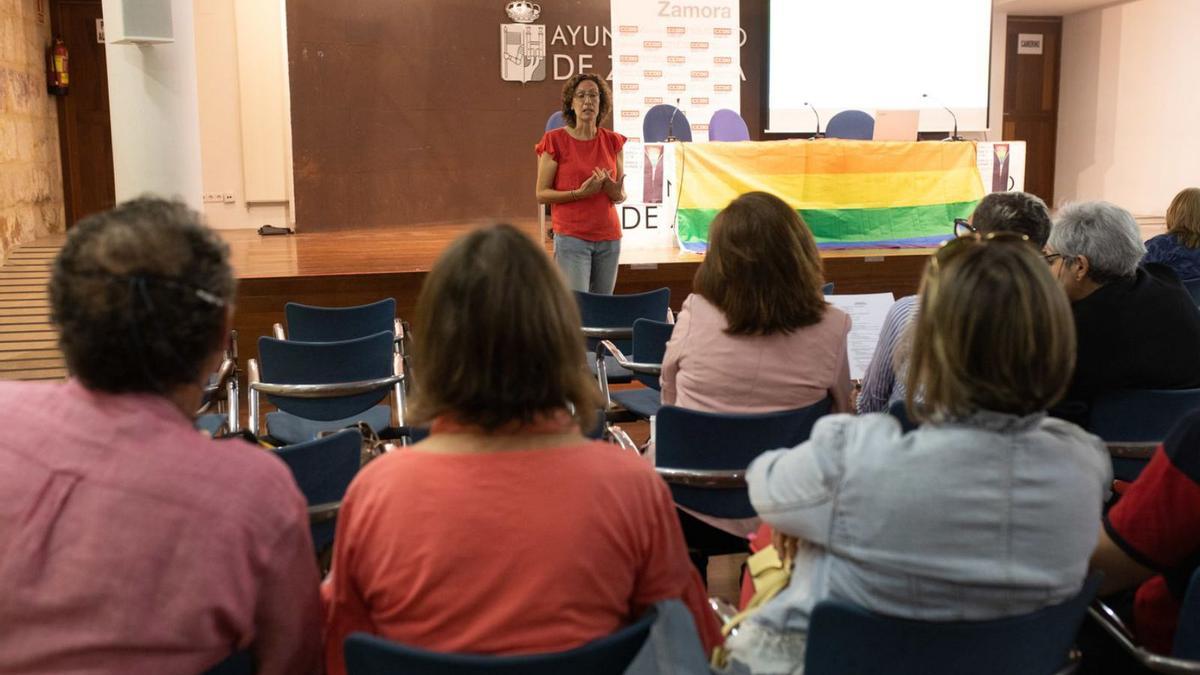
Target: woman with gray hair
<point>1136,326</point>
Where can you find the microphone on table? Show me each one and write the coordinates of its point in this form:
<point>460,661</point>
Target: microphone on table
<point>953,136</point>
<point>671,123</point>
<point>818,134</point>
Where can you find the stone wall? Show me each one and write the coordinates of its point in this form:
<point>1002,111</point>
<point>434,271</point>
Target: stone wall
<point>31,196</point>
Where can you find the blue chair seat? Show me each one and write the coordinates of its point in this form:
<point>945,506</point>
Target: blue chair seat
<point>210,423</point>
<point>616,374</point>
<point>640,402</point>
<point>288,428</point>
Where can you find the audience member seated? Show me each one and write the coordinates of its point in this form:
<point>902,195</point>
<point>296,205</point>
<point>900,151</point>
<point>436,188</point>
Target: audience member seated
<point>1137,327</point>
<point>506,531</point>
<point>1179,248</point>
<point>1151,538</point>
<point>131,542</point>
<point>757,334</point>
<point>883,382</point>
<point>990,509</point>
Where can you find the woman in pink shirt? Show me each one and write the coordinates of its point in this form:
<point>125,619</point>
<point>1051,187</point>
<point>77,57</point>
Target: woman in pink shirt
<point>506,531</point>
<point>757,334</point>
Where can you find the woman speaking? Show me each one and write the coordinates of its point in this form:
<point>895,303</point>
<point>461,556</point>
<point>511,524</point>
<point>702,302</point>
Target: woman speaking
<point>581,172</point>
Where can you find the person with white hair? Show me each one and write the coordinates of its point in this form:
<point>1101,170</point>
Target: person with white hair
<point>1136,325</point>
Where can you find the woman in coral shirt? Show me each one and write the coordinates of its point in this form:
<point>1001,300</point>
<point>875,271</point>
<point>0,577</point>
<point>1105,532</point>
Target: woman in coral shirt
<point>581,172</point>
<point>506,531</point>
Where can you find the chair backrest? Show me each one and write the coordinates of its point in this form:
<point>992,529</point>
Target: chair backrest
<point>827,288</point>
<point>1136,415</point>
<point>844,639</point>
<point>293,362</point>
<point>662,120</point>
<point>690,439</point>
<point>324,467</point>
<point>555,121</point>
<point>620,311</point>
<point>899,410</point>
<point>371,655</point>
<point>852,125</point>
<point>649,346</point>
<point>727,125</point>
<point>1193,287</point>
<point>307,323</point>
<point>1187,634</point>
<point>239,663</point>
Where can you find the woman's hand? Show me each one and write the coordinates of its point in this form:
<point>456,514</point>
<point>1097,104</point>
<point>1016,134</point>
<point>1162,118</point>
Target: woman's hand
<point>785,544</point>
<point>592,185</point>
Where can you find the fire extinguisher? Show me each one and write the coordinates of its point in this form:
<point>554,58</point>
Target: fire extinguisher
<point>57,76</point>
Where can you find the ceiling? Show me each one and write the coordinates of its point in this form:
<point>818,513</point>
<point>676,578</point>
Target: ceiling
<point>1050,7</point>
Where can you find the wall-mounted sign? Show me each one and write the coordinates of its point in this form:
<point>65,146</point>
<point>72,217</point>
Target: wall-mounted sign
<point>1029,43</point>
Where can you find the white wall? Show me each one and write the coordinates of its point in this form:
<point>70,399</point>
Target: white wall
<point>1129,110</point>
<point>245,117</point>
<point>152,102</point>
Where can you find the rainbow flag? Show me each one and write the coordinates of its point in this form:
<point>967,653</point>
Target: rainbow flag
<point>851,193</point>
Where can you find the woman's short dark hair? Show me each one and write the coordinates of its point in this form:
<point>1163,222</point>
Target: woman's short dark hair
<point>762,269</point>
<point>139,296</point>
<point>568,97</point>
<point>1015,211</point>
<point>499,338</point>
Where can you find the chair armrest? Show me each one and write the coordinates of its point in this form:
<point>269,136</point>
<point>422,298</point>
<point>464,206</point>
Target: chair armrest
<point>323,513</point>
<point>621,438</point>
<point>706,478</point>
<point>633,366</point>
<point>326,390</point>
<point>215,391</point>
<point>278,331</point>
<point>252,378</point>
<point>1112,624</point>
<point>1131,450</point>
<point>622,333</point>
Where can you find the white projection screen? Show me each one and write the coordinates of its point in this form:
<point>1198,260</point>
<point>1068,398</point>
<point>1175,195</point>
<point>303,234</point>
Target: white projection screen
<point>879,55</point>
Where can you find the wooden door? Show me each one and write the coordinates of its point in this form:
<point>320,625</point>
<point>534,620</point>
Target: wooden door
<point>85,134</point>
<point>1031,96</point>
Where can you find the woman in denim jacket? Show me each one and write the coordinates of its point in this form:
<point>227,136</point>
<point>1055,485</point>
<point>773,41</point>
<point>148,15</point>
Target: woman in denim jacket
<point>989,509</point>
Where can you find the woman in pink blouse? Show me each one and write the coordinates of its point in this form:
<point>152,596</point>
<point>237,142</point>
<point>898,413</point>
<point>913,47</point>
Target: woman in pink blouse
<point>757,334</point>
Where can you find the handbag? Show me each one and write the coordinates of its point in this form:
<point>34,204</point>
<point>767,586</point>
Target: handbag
<point>769,574</point>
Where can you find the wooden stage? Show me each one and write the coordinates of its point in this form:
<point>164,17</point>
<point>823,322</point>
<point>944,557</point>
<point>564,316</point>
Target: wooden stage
<point>351,267</point>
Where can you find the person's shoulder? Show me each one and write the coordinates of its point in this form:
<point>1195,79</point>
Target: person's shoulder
<point>27,392</point>
<point>613,139</point>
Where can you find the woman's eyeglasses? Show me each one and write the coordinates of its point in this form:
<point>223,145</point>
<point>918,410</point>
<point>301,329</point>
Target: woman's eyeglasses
<point>964,229</point>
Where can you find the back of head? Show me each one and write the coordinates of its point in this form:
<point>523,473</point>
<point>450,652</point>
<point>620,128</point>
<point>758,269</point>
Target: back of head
<point>499,336</point>
<point>994,332</point>
<point>139,296</point>
<point>762,269</point>
<point>1183,217</point>
<point>1018,212</point>
<point>1104,233</point>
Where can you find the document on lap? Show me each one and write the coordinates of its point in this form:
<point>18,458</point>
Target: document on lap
<point>867,312</point>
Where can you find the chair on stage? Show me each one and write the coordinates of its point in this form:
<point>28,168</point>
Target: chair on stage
<point>664,120</point>
<point>854,125</point>
<point>649,346</point>
<point>844,639</point>
<point>703,457</point>
<point>323,469</point>
<point>611,317</point>
<point>326,386</point>
<point>1134,421</point>
<point>1185,652</point>
<point>372,655</point>
<point>555,121</point>
<point>727,125</point>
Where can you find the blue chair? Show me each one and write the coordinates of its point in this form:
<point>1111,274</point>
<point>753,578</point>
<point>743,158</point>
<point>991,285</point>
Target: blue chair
<point>703,456</point>
<point>853,125</point>
<point>827,288</point>
<point>371,655</point>
<point>663,120</point>
<point>325,386</point>
<point>309,323</point>
<point>611,317</point>
<point>649,346</point>
<point>727,125</point>
<point>1134,421</point>
<point>1185,652</point>
<point>219,404</point>
<point>555,121</point>
<point>239,663</point>
<point>323,469</point>
<point>899,410</point>
<point>844,639</point>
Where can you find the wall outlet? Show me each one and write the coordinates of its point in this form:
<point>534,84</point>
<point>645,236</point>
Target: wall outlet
<point>227,198</point>
<point>212,197</point>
